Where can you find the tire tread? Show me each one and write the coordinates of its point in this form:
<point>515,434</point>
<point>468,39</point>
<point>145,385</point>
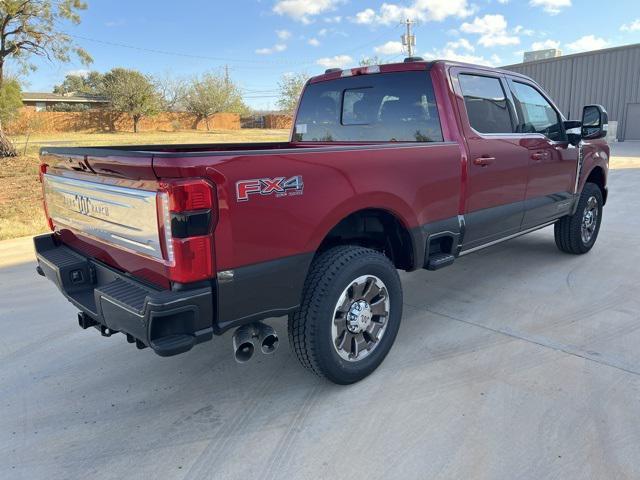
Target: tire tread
<point>322,273</point>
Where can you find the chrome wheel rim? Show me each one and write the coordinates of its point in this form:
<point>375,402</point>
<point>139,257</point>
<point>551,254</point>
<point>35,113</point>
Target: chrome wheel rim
<point>360,318</point>
<point>589,220</point>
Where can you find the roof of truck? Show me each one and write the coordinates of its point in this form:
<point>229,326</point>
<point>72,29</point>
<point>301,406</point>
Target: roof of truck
<point>407,65</point>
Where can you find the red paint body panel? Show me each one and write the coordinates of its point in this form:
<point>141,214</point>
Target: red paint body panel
<point>419,183</point>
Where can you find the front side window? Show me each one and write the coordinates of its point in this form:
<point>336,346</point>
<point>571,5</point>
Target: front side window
<point>536,113</point>
<point>486,104</point>
<point>385,107</point>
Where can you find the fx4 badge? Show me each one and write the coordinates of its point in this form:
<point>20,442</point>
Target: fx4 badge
<point>278,186</point>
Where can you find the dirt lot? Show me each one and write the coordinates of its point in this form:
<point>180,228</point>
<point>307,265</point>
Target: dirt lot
<point>20,198</point>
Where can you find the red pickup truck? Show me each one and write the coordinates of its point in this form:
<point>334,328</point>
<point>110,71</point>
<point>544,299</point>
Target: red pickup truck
<point>401,166</point>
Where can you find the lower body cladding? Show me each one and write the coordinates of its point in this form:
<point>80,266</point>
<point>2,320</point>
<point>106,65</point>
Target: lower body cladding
<point>170,322</point>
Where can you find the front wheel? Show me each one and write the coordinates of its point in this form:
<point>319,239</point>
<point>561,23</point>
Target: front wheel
<point>577,233</point>
<point>349,315</point>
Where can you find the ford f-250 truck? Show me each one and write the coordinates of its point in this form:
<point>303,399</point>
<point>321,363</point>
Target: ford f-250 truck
<point>401,166</point>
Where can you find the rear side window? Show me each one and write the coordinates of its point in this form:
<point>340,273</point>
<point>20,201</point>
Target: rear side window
<point>486,104</point>
<point>385,107</point>
<point>536,113</point>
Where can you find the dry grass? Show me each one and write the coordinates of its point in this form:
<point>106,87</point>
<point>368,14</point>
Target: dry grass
<point>20,191</point>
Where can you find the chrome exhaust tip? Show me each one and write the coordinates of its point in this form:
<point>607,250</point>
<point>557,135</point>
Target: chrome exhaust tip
<point>244,343</point>
<point>268,338</point>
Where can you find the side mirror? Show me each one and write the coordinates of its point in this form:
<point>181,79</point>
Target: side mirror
<point>595,122</point>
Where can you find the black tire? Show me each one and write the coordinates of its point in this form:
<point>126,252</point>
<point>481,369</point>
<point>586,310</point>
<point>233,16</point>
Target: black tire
<point>569,230</point>
<point>328,281</point>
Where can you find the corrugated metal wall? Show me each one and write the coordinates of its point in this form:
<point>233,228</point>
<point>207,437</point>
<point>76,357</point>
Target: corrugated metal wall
<point>609,77</point>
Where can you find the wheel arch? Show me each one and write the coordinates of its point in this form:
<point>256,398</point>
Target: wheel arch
<point>598,177</point>
<point>380,229</point>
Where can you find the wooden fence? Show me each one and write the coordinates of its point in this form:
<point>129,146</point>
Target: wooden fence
<point>105,121</point>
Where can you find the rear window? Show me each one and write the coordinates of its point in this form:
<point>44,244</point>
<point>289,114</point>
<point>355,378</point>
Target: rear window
<point>387,107</point>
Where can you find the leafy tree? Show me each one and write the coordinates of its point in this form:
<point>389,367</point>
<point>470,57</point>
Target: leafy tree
<point>131,92</point>
<point>89,84</point>
<point>10,100</point>
<point>35,27</point>
<point>290,87</point>
<point>211,94</point>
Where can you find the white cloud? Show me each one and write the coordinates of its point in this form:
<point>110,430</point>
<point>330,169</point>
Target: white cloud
<point>82,72</point>
<point>283,34</point>
<point>492,30</point>
<point>422,10</point>
<point>323,32</point>
<point>365,16</point>
<point>303,10</point>
<point>314,42</point>
<point>553,7</point>
<point>389,48</point>
<point>115,23</point>
<point>338,61</point>
<point>451,52</point>
<point>334,19</point>
<point>544,45</point>
<point>278,47</point>
<point>631,27</point>
<point>524,31</point>
<point>586,43</point>
<point>462,43</point>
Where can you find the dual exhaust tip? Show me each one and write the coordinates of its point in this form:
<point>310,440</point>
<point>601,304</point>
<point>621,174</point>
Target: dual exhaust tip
<point>248,337</point>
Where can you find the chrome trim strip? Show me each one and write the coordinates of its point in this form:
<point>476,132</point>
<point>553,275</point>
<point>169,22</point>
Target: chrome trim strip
<point>500,240</point>
<point>579,168</point>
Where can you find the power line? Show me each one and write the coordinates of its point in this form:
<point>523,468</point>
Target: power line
<point>190,55</point>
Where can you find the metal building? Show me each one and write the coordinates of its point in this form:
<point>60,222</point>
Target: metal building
<point>610,77</point>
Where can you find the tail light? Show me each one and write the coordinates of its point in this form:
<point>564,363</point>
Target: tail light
<point>43,170</point>
<point>187,215</point>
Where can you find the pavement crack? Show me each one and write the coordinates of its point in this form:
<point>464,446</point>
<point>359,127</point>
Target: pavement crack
<point>545,342</point>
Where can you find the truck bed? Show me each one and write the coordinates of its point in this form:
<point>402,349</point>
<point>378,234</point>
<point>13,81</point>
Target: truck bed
<point>168,149</point>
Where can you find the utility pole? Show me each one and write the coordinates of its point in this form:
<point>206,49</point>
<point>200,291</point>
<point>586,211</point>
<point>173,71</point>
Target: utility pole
<point>408,39</point>
<point>226,74</point>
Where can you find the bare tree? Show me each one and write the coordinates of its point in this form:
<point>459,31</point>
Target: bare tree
<point>172,91</point>
<point>369,61</point>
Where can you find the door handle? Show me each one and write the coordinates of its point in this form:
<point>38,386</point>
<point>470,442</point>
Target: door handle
<point>484,161</point>
<point>538,156</point>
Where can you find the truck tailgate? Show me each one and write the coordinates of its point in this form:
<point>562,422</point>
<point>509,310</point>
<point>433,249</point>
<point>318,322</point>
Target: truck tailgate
<point>121,216</point>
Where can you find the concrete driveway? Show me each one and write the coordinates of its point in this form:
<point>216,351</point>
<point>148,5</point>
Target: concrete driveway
<point>516,362</point>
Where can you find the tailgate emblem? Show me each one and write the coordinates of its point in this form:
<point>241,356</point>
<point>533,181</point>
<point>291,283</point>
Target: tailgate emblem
<point>85,206</point>
<point>278,186</point>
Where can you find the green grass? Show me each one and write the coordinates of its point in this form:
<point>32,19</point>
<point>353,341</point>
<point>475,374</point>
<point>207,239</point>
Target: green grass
<point>21,211</point>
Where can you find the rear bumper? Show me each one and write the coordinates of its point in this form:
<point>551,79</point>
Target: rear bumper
<point>170,322</point>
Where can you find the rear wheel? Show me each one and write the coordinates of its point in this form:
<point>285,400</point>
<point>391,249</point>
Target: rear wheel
<point>577,233</point>
<point>349,315</point>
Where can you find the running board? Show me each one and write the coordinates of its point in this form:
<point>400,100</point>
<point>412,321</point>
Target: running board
<point>440,260</point>
<point>500,240</point>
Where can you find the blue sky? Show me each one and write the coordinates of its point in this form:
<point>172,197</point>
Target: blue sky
<point>260,40</point>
